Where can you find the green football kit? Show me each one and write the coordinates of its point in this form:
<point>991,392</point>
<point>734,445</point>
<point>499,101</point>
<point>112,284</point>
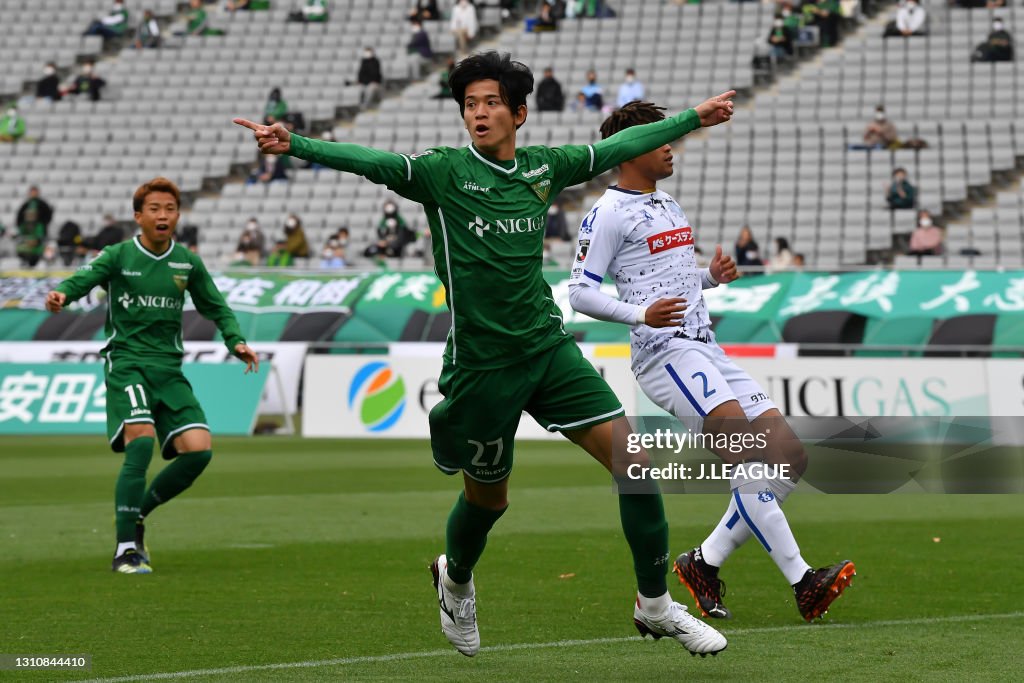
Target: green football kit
<point>142,356</point>
<point>507,350</point>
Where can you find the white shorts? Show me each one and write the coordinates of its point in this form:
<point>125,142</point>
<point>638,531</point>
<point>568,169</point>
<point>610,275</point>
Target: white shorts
<point>689,379</point>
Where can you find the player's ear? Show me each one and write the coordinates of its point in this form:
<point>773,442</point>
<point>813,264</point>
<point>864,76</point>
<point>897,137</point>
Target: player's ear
<point>520,116</point>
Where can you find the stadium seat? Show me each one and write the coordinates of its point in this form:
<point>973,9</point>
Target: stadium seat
<point>824,327</point>
<point>964,330</point>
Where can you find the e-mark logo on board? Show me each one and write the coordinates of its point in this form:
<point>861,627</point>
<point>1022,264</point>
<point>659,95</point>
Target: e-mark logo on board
<point>378,393</point>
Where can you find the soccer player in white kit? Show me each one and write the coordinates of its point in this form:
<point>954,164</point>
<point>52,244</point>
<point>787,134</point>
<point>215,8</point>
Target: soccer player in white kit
<point>640,236</point>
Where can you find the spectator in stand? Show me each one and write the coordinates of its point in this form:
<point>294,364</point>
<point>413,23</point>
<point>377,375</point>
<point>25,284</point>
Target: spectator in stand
<point>333,255</point>
<point>998,47</point>
<point>87,83</point>
<point>425,10</point>
<point>236,5</point>
<point>110,234</point>
<point>31,239</point>
<point>445,90</point>
<point>880,133</point>
<point>275,109</point>
<point>270,168</point>
<point>464,25</point>
<point>911,20</point>
<point>825,15</point>
<point>780,39</point>
<point>549,93</point>
<point>44,212</point>
<point>783,257</point>
<point>12,124</point>
<point>927,238</point>
<point>188,237</point>
<point>901,194</point>
<point>392,234</point>
<point>555,228</point>
<point>591,95</point>
<point>370,77</point>
<point>48,87</point>
<point>630,90</point>
<point>147,35</point>
<point>419,42</point>
<point>747,251</point>
<point>295,237</point>
<point>315,11</point>
<point>252,245</point>
<point>799,261</point>
<point>111,25</point>
<point>546,20</point>
<point>70,244</point>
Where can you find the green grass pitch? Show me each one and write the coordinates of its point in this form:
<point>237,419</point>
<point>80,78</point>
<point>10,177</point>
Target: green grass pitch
<point>295,560</point>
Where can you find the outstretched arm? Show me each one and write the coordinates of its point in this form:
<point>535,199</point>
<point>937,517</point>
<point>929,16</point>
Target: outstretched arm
<point>378,166</point>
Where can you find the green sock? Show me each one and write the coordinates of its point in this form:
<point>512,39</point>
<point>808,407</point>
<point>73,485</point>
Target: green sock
<point>468,525</point>
<point>643,521</point>
<point>130,487</point>
<point>175,478</point>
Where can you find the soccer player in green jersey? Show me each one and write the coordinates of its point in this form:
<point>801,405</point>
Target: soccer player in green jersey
<point>148,397</point>
<point>507,350</point>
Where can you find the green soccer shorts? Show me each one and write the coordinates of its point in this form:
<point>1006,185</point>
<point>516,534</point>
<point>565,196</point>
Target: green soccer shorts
<point>473,428</point>
<point>160,396</point>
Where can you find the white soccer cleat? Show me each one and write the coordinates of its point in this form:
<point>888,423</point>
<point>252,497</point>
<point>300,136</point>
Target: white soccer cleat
<point>676,622</point>
<point>458,613</point>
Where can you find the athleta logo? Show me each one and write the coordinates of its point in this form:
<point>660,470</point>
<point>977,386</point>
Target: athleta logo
<point>680,237</point>
<point>473,187</point>
<point>507,225</point>
<point>183,266</point>
<point>131,273</point>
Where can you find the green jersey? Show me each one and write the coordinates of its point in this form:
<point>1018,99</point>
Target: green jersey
<point>145,298</point>
<point>487,220</point>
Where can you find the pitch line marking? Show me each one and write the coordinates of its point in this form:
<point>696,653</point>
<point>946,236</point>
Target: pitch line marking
<point>399,656</point>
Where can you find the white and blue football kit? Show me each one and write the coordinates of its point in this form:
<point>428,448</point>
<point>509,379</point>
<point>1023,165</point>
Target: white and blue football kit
<point>646,244</point>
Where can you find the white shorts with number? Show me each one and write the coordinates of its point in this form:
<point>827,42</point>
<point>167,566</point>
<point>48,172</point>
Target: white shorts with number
<point>689,379</point>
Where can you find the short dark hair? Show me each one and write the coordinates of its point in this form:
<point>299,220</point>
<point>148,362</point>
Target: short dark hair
<point>636,113</point>
<point>159,184</point>
<point>515,80</point>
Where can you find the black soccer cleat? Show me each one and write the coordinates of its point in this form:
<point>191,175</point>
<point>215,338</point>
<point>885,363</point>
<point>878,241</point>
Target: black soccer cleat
<point>701,579</point>
<point>140,541</point>
<point>130,562</point>
<point>816,591</point>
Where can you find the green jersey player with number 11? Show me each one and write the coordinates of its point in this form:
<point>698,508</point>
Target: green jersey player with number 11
<point>148,397</point>
<point>507,351</point>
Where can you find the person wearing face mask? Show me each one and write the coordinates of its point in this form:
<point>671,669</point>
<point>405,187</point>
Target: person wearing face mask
<point>12,125</point>
<point>911,20</point>
<point>901,195</point>
<point>419,41</point>
<point>48,87</point>
<point>252,245</point>
<point>370,77</point>
<point>111,25</point>
<point>927,239</point>
<point>825,15</point>
<point>880,133</point>
<point>333,255</point>
<point>87,83</point>
<point>295,237</point>
<point>631,89</point>
<point>998,47</point>
<point>780,38</point>
<point>464,24</point>
<point>591,96</point>
<point>549,92</point>
<point>276,108</point>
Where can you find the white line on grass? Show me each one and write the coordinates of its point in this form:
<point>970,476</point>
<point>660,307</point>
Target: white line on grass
<point>448,652</point>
